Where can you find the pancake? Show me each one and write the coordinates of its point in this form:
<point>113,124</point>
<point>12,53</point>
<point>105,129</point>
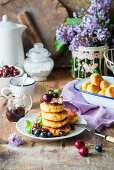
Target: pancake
<point>93,88</point>
<point>54,116</point>
<point>72,116</point>
<point>95,79</point>
<point>55,131</point>
<point>54,124</point>
<point>110,92</point>
<point>104,85</point>
<point>51,107</point>
<point>84,86</point>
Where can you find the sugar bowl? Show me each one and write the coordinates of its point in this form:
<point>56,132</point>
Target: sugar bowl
<point>38,63</point>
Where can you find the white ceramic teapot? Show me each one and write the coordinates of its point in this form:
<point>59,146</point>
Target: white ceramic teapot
<point>11,47</point>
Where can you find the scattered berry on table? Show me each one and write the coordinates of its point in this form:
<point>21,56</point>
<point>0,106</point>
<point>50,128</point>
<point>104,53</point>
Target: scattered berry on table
<point>83,151</point>
<point>37,132</point>
<point>98,148</point>
<point>79,144</point>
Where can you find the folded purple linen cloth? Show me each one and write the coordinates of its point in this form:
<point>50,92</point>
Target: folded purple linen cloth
<point>96,116</point>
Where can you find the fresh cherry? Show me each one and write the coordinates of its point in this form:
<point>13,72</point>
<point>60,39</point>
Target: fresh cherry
<point>50,91</point>
<point>62,133</point>
<point>47,97</point>
<point>12,68</point>
<point>37,125</point>
<point>1,72</point>
<point>83,151</point>
<point>7,71</point>
<point>34,129</point>
<point>4,75</point>
<point>15,73</point>
<point>41,100</point>
<point>79,144</point>
<point>5,66</point>
<point>45,130</point>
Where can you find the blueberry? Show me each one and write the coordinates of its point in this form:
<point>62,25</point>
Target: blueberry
<point>98,148</point>
<point>55,95</point>
<point>37,132</point>
<point>49,134</point>
<point>43,134</point>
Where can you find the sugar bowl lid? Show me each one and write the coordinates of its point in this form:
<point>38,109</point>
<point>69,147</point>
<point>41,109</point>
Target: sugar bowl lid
<point>6,24</point>
<point>38,52</point>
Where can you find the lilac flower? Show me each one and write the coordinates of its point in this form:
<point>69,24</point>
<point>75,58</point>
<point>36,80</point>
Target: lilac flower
<point>92,30</point>
<point>14,140</point>
<point>74,15</point>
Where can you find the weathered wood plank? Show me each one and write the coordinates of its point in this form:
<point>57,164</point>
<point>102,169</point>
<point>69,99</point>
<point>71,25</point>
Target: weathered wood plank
<point>42,155</point>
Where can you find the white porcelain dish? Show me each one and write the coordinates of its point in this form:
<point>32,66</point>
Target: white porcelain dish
<point>21,124</point>
<point>6,81</point>
<point>93,98</point>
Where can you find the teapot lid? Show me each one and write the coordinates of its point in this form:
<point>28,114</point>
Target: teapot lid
<point>5,23</point>
<point>38,52</point>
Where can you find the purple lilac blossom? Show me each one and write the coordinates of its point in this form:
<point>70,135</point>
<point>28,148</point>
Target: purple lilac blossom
<point>92,30</point>
<point>14,140</point>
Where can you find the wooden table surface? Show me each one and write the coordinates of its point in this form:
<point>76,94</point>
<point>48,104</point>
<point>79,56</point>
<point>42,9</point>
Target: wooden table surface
<point>57,155</point>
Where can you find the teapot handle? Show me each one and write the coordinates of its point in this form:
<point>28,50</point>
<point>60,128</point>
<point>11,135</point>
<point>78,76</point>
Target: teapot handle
<point>29,107</point>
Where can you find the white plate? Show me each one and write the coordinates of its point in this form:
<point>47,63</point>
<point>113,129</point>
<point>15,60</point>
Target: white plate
<point>21,124</point>
<point>96,99</point>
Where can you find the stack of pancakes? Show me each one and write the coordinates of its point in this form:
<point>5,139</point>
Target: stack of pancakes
<point>54,118</point>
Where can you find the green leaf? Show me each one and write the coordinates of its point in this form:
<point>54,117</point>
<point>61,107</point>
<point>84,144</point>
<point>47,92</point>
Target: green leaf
<point>40,121</point>
<point>28,123</point>
<point>96,71</point>
<point>59,45</point>
<point>72,21</point>
<point>28,130</point>
<point>57,90</point>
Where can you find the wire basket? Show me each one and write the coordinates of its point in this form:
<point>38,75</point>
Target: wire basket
<point>109,59</point>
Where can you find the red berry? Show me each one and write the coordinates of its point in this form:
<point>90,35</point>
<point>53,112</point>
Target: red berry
<point>34,129</point>
<point>37,125</point>
<point>15,70</point>
<point>1,72</point>
<point>50,91</point>
<point>79,144</point>
<point>62,133</point>
<point>5,66</point>
<point>41,100</point>
<point>12,68</point>
<point>4,75</point>
<point>83,151</point>
<point>15,73</point>
<point>45,130</point>
<point>47,97</point>
<point>7,71</point>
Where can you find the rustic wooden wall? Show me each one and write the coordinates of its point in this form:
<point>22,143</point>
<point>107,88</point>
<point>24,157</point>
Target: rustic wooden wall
<point>71,4</point>
<point>47,15</point>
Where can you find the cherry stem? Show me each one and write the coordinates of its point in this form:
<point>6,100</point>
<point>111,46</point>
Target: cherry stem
<point>44,88</point>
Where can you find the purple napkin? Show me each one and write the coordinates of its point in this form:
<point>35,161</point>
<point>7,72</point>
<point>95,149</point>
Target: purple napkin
<point>96,116</point>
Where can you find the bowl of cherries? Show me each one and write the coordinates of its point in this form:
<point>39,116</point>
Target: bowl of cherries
<point>7,72</point>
